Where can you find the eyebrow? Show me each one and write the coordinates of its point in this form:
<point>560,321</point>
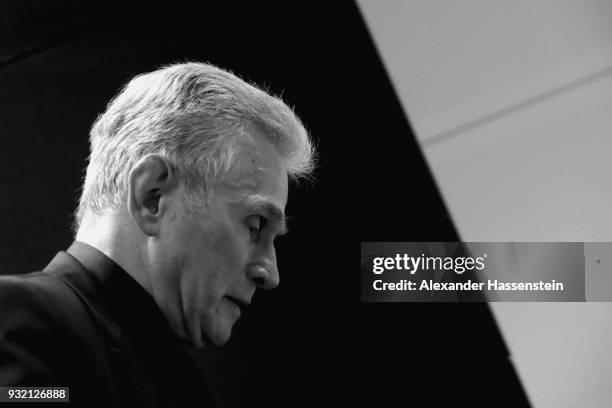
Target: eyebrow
<point>275,213</point>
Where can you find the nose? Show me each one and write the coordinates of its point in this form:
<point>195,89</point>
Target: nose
<point>264,271</point>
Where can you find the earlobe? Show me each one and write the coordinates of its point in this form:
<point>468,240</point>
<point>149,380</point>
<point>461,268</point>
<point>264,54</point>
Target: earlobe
<point>149,184</point>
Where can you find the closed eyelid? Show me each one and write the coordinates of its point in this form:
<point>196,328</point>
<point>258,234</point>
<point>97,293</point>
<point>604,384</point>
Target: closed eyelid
<point>256,224</point>
<point>262,226</point>
<point>255,219</point>
<point>271,214</point>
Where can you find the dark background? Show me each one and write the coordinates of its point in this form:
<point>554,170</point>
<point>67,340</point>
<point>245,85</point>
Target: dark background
<point>310,342</point>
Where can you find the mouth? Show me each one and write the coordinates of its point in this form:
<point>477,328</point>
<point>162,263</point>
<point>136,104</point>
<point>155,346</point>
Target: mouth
<point>241,303</point>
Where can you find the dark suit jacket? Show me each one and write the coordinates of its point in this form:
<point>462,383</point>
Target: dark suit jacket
<point>83,322</point>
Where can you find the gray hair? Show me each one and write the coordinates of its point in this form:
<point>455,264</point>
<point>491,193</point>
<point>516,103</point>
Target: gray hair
<point>190,114</point>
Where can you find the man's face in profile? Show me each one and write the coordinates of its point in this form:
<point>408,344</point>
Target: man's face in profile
<point>214,259</point>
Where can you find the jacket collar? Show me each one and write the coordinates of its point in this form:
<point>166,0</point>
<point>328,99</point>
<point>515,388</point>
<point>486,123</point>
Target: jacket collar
<point>121,305</point>
<point>134,327</point>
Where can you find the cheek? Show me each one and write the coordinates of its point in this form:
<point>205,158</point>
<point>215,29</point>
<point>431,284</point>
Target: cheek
<point>218,259</point>
<point>230,253</point>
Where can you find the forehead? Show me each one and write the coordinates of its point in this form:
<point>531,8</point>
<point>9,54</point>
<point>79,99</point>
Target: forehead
<point>261,180</point>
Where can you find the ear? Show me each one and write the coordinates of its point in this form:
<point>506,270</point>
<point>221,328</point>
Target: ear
<point>150,183</point>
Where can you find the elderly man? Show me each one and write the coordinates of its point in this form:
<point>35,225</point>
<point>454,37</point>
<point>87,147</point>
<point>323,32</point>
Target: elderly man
<point>183,197</point>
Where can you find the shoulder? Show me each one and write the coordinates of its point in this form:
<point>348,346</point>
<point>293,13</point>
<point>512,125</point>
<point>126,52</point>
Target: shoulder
<point>34,299</point>
<point>24,301</point>
<point>45,332</point>
<point>26,319</point>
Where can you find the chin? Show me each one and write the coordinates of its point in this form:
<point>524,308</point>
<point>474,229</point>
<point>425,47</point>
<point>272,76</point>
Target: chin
<point>219,341</point>
<point>220,336</point>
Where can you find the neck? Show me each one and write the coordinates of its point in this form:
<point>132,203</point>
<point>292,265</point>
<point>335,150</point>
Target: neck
<point>111,234</point>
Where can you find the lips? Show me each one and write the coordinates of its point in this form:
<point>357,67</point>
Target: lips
<point>241,303</point>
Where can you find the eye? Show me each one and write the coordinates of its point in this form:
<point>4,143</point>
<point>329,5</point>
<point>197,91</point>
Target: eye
<point>256,223</point>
